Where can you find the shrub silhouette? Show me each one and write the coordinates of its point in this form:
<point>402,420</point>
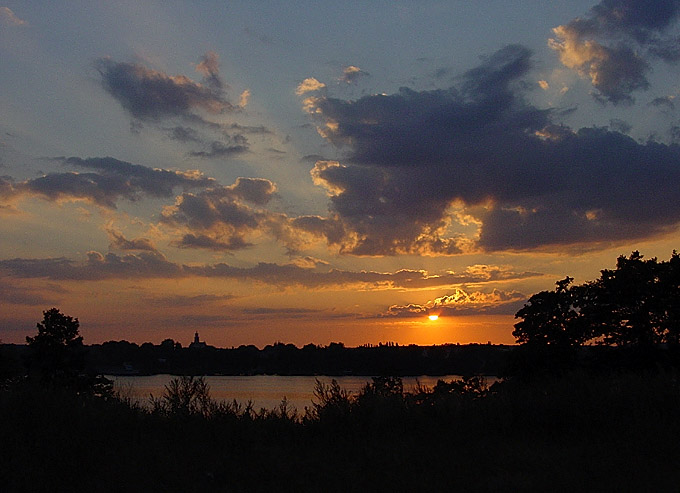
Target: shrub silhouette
<point>185,396</point>
<point>331,403</point>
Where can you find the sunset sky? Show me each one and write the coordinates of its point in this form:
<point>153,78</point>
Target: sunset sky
<point>266,171</point>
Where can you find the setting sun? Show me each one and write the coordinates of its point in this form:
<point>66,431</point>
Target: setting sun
<point>433,317</point>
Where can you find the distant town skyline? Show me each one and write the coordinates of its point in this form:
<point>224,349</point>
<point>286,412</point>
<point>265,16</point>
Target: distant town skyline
<point>359,173</point>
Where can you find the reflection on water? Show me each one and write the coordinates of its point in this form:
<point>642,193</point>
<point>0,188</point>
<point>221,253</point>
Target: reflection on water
<point>263,390</point>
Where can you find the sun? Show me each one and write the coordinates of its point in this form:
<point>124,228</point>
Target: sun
<point>433,317</point>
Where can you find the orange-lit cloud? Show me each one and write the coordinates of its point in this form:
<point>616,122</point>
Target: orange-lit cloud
<point>154,265</point>
<point>616,42</point>
<point>7,16</point>
<point>463,302</point>
<point>351,74</point>
<point>310,84</point>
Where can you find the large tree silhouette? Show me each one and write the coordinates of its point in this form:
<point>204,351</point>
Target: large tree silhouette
<point>637,304</point>
<point>57,349</point>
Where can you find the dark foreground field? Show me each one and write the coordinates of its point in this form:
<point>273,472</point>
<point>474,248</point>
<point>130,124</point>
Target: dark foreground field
<point>613,432</point>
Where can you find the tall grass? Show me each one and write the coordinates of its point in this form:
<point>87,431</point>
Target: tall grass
<point>577,432</point>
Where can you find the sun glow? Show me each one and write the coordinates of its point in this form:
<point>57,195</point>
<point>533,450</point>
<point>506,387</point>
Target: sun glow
<point>433,317</point>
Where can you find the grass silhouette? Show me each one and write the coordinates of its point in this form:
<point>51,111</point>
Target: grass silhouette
<point>574,432</point>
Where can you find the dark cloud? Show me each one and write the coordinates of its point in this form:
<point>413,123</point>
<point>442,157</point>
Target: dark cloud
<point>107,181</point>
<point>674,133</point>
<point>614,44</point>
<point>153,181</point>
<point>183,301</point>
<point>666,102</point>
<point>291,275</point>
<point>462,302</point>
<point>442,72</point>
<point>220,218</point>
<point>220,149</point>
<point>418,165</point>
<point>18,295</point>
<point>248,129</point>
<point>312,158</point>
<point>183,134</point>
<point>281,312</point>
<point>119,242</point>
<point>621,126</point>
<point>152,95</point>
<point>149,265</point>
<point>254,190</point>
<point>206,242</point>
<point>97,267</point>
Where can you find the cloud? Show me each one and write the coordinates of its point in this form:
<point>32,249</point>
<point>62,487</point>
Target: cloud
<point>154,181</point>
<point>153,265</point>
<point>209,67</point>
<point>119,242</point>
<point>180,107</point>
<point>309,85</point>
<point>8,17</point>
<point>281,312</point>
<point>352,74</point>
<point>244,98</point>
<point>184,301</point>
<point>7,188</point>
<point>665,102</point>
<point>463,302</point>
<point>150,95</point>
<point>183,134</point>
<point>206,242</point>
<point>18,295</point>
<point>246,129</point>
<point>294,275</point>
<point>614,71</point>
<point>476,167</point>
<point>219,149</point>
<point>620,126</point>
<point>97,267</point>
<point>220,218</point>
<point>615,43</point>
<point>106,181</point>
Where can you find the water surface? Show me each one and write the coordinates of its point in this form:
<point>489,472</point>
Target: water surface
<point>263,390</point>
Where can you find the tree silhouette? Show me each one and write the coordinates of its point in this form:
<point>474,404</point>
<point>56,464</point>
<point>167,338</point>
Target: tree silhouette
<point>669,294</point>
<point>554,317</point>
<point>57,349</point>
<point>627,308</point>
<point>634,306</point>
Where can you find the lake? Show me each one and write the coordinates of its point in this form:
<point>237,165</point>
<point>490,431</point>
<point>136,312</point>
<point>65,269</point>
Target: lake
<point>263,390</point>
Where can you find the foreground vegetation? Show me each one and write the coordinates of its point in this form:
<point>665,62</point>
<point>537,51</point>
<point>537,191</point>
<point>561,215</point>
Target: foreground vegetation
<point>614,432</point>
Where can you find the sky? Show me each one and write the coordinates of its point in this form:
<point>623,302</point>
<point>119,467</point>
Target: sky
<point>312,172</point>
